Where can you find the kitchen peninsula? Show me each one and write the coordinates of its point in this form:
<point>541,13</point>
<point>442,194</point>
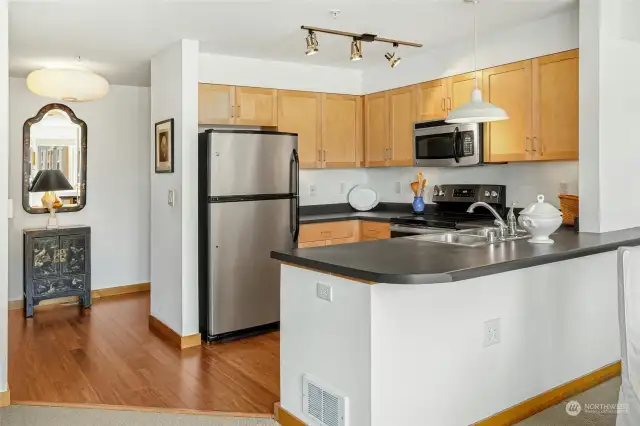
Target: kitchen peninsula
<point>413,331</point>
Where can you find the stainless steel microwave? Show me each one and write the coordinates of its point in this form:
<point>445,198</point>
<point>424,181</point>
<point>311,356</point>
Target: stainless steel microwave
<point>440,144</point>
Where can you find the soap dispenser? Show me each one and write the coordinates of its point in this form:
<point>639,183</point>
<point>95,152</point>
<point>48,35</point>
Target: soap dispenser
<point>511,220</point>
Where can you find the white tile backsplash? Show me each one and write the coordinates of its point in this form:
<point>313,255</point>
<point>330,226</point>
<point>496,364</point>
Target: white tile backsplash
<point>524,181</point>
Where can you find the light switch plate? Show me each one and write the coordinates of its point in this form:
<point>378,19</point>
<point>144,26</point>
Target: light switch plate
<point>491,332</point>
<point>313,189</point>
<point>171,198</point>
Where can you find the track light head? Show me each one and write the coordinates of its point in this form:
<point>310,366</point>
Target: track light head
<point>312,44</point>
<point>392,58</point>
<point>356,49</point>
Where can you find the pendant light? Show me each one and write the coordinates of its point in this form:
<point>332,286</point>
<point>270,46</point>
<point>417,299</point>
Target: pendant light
<point>476,110</point>
<point>73,84</point>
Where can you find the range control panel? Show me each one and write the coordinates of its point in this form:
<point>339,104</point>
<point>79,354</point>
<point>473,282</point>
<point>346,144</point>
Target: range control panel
<point>492,194</point>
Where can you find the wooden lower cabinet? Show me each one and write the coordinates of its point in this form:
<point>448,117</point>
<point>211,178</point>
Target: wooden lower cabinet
<point>342,232</point>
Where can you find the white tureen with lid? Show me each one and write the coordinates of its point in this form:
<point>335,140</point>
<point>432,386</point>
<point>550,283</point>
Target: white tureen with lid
<point>540,220</point>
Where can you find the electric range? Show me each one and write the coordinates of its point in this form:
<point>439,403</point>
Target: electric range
<point>449,211</point>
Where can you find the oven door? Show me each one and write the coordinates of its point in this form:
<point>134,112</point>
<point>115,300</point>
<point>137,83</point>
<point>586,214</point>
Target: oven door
<point>398,231</point>
<point>439,144</point>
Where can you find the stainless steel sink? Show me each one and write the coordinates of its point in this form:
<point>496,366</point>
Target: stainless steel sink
<point>468,237</point>
<point>454,238</point>
<point>483,232</point>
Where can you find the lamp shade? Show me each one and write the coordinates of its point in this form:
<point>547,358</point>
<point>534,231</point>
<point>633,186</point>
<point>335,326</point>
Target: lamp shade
<point>476,111</point>
<point>50,180</point>
<point>74,85</point>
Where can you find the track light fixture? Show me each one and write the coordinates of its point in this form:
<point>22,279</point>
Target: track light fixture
<point>392,58</point>
<point>356,49</point>
<point>312,44</point>
<point>356,43</point>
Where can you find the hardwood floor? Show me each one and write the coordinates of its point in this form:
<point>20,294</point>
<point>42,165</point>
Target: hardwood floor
<point>109,356</point>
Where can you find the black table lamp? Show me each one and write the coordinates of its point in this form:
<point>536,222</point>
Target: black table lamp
<point>49,181</point>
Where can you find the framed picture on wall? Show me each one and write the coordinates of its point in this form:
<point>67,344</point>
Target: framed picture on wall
<point>164,146</point>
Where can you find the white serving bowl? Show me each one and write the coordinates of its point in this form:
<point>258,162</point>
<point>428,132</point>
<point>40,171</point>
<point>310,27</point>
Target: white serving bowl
<point>540,220</point>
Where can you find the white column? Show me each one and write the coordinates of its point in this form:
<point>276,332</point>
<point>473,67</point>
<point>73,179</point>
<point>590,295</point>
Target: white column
<point>609,111</point>
<point>174,238</point>
<point>4,189</point>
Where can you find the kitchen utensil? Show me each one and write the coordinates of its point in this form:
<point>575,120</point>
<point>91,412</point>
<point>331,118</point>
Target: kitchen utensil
<point>363,197</point>
<point>415,188</point>
<point>424,184</point>
<point>540,220</point>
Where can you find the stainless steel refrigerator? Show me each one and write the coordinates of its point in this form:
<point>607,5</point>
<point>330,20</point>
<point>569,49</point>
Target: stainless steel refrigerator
<point>248,190</point>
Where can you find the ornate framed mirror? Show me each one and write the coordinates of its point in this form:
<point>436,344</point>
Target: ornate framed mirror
<point>55,139</point>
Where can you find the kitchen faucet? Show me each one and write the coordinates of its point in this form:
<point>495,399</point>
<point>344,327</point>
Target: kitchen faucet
<point>504,228</point>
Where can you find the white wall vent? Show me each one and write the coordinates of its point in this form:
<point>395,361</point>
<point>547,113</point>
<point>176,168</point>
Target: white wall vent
<point>325,405</point>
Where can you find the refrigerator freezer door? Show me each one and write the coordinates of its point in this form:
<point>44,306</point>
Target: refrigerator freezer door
<point>250,163</point>
<point>244,282</point>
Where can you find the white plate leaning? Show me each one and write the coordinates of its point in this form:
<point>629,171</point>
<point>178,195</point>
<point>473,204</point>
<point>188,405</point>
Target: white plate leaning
<point>363,197</point>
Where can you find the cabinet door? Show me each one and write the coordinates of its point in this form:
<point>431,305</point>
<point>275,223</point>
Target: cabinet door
<point>312,244</point>
<point>509,87</point>
<point>376,133</point>
<point>459,88</point>
<point>300,112</point>
<point>215,104</point>
<point>341,130</point>
<point>401,120</point>
<point>256,106</point>
<point>45,257</point>
<point>337,241</point>
<point>555,106</point>
<point>58,286</point>
<point>72,254</point>
<point>431,100</point>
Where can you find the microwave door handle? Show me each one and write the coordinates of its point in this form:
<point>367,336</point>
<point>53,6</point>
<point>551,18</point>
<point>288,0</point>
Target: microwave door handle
<point>456,134</point>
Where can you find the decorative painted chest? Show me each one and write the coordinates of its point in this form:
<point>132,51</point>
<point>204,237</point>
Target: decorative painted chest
<point>57,263</point>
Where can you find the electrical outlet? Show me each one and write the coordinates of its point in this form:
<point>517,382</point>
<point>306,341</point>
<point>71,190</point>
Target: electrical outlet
<point>398,188</point>
<point>492,332</point>
<point>323,291</point>
<point>564,187</point>
<point>343,187</point>
<point>313,190</point>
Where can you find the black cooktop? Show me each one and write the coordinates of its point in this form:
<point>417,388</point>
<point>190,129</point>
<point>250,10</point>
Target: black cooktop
<point>448,220</point>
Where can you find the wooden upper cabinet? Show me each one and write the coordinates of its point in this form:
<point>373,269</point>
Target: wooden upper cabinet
<point>215,104</point>
<point>460,87</point>
<point>401,119</point>
<point>432,100</point>
<point>341,130</point>
<point>509,87</point>
<point>300,112</point>
<point>256,106</point>
<point>555,106</point>
<point>376,134</point>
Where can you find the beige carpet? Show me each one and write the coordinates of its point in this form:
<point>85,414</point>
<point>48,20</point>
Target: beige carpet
<point>17,415</point>
<point>606,393</point>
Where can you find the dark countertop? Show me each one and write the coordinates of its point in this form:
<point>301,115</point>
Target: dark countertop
<point>374,216</point>
<point>408,261</point>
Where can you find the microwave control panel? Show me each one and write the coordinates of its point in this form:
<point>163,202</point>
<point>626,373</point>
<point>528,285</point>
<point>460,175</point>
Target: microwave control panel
<point>467,143</point>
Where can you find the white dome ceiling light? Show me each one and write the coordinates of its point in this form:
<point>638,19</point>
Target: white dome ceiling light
<point>73,84</point>
<point>476,110</point>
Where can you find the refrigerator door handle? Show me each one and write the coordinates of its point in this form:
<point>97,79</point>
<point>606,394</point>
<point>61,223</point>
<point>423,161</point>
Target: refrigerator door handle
<point>294,188</point>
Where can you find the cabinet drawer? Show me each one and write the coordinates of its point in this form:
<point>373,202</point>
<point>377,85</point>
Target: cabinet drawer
<point>326,231</point>
<point>375,230</point>
<point>61,285</point>
<point>312,244</point>
<point>337,241</point>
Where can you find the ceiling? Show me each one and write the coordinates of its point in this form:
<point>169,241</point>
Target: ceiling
<point>116,38</point>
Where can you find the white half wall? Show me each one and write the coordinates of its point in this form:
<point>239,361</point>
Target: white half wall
<point>118,186</point>
<point>555,33</point>
<point>609,102</point>
<point>524,180</point>
<point>174,230</point>
<point>239,71</point>
<point>4,193</point>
